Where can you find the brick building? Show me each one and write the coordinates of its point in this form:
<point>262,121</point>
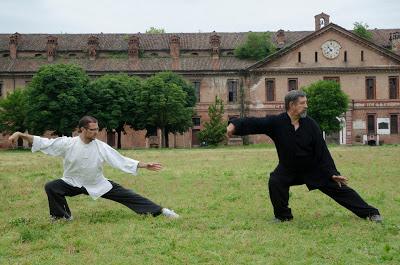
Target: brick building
<point>368,72</point>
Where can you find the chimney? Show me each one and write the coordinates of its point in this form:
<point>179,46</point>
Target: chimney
<point>215,42</point>
<point>321,21</point>
<point>51,48</point>
<point>14,38</point>
<point>395,41</point>
<point>93,43</point>
<point>174,46</point>
<point>280,38</point>
<point>133,50</point>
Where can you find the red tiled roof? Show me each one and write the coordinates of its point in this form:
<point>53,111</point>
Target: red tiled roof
<point>189,41</point>
<point>123,65</point>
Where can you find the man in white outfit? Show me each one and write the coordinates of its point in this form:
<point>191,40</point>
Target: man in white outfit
<point>84,156</point>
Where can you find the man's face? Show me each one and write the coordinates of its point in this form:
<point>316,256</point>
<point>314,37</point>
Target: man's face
<point>299,107</point>
<point>91,131</point>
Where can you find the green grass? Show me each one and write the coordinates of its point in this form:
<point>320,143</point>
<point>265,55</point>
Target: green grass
<point>222,197</point>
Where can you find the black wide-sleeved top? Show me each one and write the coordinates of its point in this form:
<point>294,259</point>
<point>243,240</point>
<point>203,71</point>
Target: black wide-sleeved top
<point>302,152</point>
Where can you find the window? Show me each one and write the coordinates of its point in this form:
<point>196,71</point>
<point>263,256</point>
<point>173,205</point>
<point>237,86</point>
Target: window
<point>394,125</point>
<point>232,90</point>
<point>270,89</point>
<point>230,53</point>
<point>196,121</point>
<point>362,56</point>
<point>371,123</point>
<point>196,85</point>
<point>292,84</point>
<point>393,87</point>
<point>316,56</point>
<point>38,55</point>
<point>299,57</point>
<point>6,55</point>
<point>72,55</point>
<point>345,56</point>
<point>370,87</point>
<point>195,54</point>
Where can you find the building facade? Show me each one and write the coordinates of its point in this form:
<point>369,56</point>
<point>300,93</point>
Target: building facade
<point>368,71</point>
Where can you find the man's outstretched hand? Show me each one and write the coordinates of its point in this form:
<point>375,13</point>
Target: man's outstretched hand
<point>14,137</point>
<point>230,130</point>
<point>340,180</point>
<point>153,166</point>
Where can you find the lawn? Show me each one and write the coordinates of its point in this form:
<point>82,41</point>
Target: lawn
<point>221,195</point>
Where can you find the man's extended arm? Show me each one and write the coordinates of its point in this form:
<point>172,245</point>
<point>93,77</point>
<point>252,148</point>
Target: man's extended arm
<point>251,125</point>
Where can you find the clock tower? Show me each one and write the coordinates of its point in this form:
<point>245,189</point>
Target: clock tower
<point>321,21</point>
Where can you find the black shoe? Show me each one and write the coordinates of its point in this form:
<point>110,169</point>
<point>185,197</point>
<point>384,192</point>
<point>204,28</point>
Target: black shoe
<point>281,220</point>
<point>377,218</point>
<point>54,219</point>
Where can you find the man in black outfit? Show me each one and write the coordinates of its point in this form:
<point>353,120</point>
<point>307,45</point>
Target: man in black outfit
<point>303,158</point>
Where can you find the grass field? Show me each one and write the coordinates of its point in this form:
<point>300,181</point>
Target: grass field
<point>222,197</point>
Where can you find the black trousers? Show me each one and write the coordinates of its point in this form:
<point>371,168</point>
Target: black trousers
<point>347,197</point>
<point>57,190</point>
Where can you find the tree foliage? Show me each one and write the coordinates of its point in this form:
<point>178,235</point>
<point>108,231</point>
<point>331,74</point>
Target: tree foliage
<point>163,104</point>
<point>215,129</point>
<point>56,99</point>
<point>154,30</point>
<point>326,101</point>
<point>112,101</point>
<point>361,29</point>
<point>13,111</point>
<point>256,47</point>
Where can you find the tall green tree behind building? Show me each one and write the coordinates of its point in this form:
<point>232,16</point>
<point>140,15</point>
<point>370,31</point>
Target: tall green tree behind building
<point>361,29</point>
<point>256,47</point>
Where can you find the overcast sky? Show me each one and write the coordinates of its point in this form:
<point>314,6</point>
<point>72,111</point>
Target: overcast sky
<point>132,16</point>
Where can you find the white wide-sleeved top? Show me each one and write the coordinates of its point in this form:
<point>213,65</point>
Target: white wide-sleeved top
<point>83,163</point>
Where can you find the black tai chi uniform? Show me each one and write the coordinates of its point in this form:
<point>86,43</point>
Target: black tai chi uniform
<point>303,159</point>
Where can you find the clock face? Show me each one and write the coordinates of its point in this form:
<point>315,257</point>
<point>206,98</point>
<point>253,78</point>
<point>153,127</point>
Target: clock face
<point>331,49</point>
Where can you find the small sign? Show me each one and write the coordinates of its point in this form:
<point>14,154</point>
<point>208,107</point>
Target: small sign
<point>383,125</point>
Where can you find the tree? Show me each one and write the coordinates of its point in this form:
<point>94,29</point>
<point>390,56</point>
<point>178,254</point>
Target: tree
<point>13,113</point>
<point>361,29</point>
<point>326,102</point>
<point>256,47</point>
<point>164,105</point>
<point>113,102</point>
<point>170,77</point>
<point>215,129</point>
<point>154,30</point>
<point>57,99</point>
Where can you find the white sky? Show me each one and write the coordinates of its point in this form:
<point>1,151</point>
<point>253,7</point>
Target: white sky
<point>132,16</point>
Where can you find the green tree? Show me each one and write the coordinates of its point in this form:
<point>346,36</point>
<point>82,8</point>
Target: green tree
<point>361,29</point>
<point>57,99</point>
<point>326,101</point>
<point>155,30</point>
<point>13,113</point>
<point>215,129</point>
<point>163,105</point>
<point>256,47</point>
<point>113,102</point>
